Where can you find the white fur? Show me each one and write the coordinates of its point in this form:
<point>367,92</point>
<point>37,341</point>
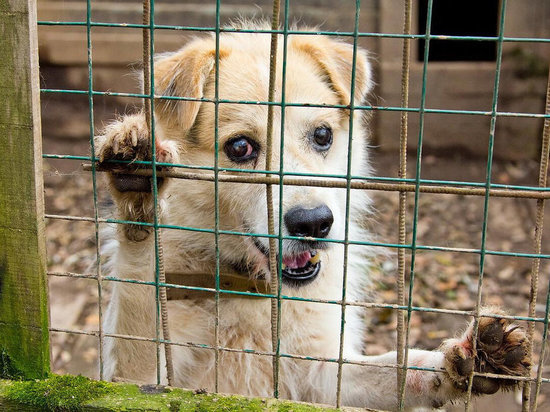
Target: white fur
<point>307,329</point>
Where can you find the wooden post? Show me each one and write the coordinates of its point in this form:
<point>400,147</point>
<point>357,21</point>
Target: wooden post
<point>24,341</point>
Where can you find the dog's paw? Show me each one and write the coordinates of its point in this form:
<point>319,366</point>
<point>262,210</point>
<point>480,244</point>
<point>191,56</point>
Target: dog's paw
<point>129,140</point>
<point>501,348</point>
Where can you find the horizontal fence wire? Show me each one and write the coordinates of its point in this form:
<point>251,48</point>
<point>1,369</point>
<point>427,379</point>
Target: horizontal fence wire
<point>368,305</point>
<point>532,193</point>
<point>287,355</point>
<point>175,174</point>
<point>262,235</point>
<point>297,32</point>
<point>306,104</point>
<point>282,178</point>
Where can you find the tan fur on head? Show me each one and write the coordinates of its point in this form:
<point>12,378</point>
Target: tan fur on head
<point>336,60</point>
<point>183,74</point>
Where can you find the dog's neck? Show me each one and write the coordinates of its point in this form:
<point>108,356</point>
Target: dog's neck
<point>203,285</point>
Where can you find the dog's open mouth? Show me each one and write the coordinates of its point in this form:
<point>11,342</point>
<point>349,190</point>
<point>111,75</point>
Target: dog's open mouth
<point>298,268</point>
<point>302,267</point>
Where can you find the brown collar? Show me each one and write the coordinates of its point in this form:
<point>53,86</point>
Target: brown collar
<point>229,280</point>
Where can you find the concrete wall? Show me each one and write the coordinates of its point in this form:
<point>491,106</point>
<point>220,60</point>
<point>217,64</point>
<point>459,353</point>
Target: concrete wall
<point>469,86</point>
<point>459,85</point>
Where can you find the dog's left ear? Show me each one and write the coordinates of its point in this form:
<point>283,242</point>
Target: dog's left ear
<point>335,59</point>
<point>183,74</point>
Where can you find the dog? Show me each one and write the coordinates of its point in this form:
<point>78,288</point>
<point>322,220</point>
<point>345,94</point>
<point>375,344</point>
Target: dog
<point>319,73</point>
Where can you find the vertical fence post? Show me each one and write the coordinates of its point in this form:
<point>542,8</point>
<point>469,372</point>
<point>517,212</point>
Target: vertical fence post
<point>24,346</point>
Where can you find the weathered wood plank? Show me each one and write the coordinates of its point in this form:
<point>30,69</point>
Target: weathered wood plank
<point>24,348</point>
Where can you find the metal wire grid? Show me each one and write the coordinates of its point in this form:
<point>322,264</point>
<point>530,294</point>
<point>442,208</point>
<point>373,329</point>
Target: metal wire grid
<point>348,181</point>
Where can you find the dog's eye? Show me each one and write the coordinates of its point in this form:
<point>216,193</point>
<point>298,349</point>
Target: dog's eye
<point>322,138</point>
<point>241,149</point>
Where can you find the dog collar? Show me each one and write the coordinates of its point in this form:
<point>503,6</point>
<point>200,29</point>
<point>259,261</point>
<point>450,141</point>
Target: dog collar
<point>229,280</point>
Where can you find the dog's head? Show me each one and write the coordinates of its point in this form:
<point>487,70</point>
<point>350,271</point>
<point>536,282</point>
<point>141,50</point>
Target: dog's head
<point>319,71</point>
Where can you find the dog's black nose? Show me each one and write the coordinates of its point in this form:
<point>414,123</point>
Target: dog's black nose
<point>314,222</point>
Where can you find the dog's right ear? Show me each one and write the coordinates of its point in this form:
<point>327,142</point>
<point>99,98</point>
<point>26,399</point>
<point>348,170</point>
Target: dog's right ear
<point>183,74</point>
<point>335,60</point>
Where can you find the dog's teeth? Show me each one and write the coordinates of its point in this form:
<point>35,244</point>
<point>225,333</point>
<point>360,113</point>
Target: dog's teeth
<point>315,259</point>
<point>284,266</point>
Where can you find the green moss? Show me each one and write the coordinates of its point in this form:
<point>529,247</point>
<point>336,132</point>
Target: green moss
<point>131,398</point>
<point>7,368</point>
<point>57,393</point>
<point>77,393</point>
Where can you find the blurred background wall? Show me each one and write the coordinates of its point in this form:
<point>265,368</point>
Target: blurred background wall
<point>460,74</point>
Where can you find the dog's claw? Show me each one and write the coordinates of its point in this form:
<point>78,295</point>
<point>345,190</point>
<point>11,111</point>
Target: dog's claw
<point>484,385</point>
<point>490,338</point>
<point>134,138</point>
<point>129,139</point>
<point>515,356</point>
<point>464,367</point>
<point>501,348</point>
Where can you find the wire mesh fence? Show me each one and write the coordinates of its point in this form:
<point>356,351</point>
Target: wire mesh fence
<point>275,178</point>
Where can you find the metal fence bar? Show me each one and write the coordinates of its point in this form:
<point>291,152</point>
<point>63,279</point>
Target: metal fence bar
<point>161,312</point>
<point>543,173</point>
<point>348,204</point>
<point>539,378</point>
<point>274,277</point>
<point>149,80</point>
<point>485,224</point>
<point>279,274</point>
<point>217,198</point>
<point>405,72</point>
<point>149,87</point>
<point>317,182</point>
<point>402,388</point>
<point>94,184</point>
<point>237,179</point>
<point>300,32</point>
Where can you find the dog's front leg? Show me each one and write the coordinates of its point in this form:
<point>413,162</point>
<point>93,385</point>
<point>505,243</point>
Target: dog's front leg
<point>501,348</point>
<point>376,386</point>
<point>132,311</point>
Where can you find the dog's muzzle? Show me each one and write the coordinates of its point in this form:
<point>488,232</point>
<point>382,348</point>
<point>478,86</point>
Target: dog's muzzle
<point>303,267</point>
<point>297,269</point>
<point>302,263</point>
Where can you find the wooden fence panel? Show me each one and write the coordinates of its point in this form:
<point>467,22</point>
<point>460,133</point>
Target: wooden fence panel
<point>24,347</point>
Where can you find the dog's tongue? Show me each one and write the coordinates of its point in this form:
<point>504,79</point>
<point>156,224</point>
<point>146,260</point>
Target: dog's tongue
<point>297,261</point>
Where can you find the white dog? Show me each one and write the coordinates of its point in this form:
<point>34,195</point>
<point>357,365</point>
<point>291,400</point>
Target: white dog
<point>319,71</point>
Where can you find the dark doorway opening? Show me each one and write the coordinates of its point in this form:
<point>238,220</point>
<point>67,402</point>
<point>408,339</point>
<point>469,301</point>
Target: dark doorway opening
<point>460,18</point>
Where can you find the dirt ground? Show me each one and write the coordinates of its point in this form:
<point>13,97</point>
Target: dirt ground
<point>443,279</point>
